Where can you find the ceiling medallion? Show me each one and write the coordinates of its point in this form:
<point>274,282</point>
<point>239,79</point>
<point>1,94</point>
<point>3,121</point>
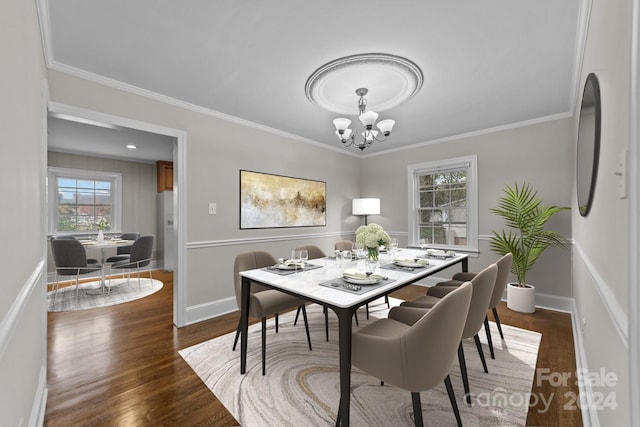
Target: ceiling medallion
<point>386,80</point>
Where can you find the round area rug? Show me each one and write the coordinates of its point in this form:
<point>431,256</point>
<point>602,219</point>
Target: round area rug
<point>90,294</point>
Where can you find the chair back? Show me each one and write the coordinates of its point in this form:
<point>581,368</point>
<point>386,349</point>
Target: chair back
<point>124,250</point>
<point>483,284</point>
<point>249,261</point>
<point>343,245</point>
<point>141,250</point>
<point>432,342</point>
<point>504,267</point>
<point>68,253</point>
<point>416,357</point>
<point>313,251</point>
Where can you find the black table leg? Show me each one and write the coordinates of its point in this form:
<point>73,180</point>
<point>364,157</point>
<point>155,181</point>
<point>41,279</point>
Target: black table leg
<point>465,265</point>
<point>344,340</point>
<point>244,323</point>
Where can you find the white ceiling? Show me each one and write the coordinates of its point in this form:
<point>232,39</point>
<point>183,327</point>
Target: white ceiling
<point>486,63</point>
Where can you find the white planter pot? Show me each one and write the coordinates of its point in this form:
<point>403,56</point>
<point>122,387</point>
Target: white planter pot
<point>521,299</point>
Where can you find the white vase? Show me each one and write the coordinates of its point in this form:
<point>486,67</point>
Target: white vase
<point>100,236</point>
<point>521,298</point>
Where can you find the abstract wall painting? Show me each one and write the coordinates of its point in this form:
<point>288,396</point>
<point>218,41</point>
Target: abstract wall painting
<point>276,201</point>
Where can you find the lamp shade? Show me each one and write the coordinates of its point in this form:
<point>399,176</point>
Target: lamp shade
<point>365,207</point>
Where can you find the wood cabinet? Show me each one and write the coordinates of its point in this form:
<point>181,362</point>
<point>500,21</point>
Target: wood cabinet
<point>165,176</point>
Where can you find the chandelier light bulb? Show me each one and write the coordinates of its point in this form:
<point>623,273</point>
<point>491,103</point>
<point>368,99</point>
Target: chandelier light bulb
<point>368,118</point>
<point>341,124</point>
<point>385,126</point>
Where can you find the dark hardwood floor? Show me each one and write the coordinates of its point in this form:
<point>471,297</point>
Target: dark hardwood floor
<point>120,365</point>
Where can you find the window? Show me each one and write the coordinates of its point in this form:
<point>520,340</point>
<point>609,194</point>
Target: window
<point>443,203</point>
<point>80,201</point>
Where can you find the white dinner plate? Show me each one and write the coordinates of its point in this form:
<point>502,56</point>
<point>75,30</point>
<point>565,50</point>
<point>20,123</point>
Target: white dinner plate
<point>355,281</point>
<point>288,267</point>
<point>410,263</point>
<point>441,254</point>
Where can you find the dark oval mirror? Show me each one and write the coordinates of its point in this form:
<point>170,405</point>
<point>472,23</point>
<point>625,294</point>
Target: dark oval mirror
<point>588,149</point>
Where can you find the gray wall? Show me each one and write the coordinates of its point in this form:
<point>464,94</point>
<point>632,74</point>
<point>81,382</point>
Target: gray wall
<point>600,262</point>
<point>539,154</point>
<point>139,189</point>
<point>22,305</point>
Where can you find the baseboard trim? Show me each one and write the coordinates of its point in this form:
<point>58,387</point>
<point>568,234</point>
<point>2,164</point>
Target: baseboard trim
<point>589,415</point>
<point>38,408</point>
<point>200,312</point>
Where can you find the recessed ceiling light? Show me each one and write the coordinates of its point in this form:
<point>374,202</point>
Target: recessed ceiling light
<point>131,147</point>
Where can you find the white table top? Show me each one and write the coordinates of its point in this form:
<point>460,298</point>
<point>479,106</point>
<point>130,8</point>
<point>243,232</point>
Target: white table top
<point>307,284</point>
<point>106,243</point>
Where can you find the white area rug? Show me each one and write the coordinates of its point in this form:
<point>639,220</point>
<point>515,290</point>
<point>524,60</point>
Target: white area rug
<point>90,294</point>
<point>301,387</point>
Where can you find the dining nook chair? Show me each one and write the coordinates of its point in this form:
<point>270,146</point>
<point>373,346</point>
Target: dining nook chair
<point>70,259</point>
<point>141,253</point>
<point>124,252</point>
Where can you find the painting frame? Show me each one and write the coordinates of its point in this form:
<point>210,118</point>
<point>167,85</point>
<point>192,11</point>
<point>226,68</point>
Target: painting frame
<point>278,201</point>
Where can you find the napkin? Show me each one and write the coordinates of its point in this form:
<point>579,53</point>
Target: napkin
<point>354,273</point>
<point>439,252</point>
<point>415,260</point>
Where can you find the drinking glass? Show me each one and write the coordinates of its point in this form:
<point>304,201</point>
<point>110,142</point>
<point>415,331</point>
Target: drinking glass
<point>303,256</point>
<point>424,243</point>
<point>295,258</point>
<point>394,245</point>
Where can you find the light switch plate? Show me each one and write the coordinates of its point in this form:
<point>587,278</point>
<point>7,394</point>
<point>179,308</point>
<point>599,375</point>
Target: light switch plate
<point>622,174</point>
<point>212,208</point>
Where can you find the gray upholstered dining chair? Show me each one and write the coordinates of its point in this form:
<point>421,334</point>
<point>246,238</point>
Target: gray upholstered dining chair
<point>263,302</point>
<point>482,284</point>
<point>504,267</point>
<point>70,259</point>
<point>412,350</point>
<point>343,245</point>
<point>69,237</point>
<point>141,252</point>
<point>314,253</point>
<point>123,252</point>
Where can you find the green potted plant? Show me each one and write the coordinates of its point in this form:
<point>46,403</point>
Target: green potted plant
<point>525,213</point>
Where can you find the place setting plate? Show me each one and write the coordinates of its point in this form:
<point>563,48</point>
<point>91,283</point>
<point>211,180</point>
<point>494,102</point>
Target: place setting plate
<point>410,263</point>
<point>364,281</point>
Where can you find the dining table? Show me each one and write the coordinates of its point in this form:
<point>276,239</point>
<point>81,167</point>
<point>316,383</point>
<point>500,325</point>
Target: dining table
<point>103,245</point>
<point>322,283</point>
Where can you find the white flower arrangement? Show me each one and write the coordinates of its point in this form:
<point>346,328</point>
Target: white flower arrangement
<point>372,236</point>
<point>102,224</point>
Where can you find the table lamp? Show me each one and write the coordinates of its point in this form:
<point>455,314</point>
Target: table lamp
<point>365,207</point>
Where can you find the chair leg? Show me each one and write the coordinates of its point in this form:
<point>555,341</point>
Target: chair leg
<point>497,319</point>
<point>295,321</point>
<point>306,324</point>
<point>235,341</point>
<point>326,321</point>
<point>476,338</point>
<point>488,332</point>
<point>264,344</point>
<point>452,399</point>
<point>417,408</point>
<point>355,314</point>
<point>367,308</point>
<point>386,299</point>
<point>463,372</point>
<point>277,321</point>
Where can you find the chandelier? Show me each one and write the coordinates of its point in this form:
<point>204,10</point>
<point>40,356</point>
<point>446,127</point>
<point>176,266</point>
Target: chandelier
<point>389,81</point>
<point>368,119</point>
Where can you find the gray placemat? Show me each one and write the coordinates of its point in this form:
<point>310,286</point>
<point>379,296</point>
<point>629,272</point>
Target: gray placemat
<point>287,272</point>
<point>340,284</point>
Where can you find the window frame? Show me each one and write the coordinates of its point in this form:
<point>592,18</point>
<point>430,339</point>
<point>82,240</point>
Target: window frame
<point>416,170</point>
<point>53,173</point>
